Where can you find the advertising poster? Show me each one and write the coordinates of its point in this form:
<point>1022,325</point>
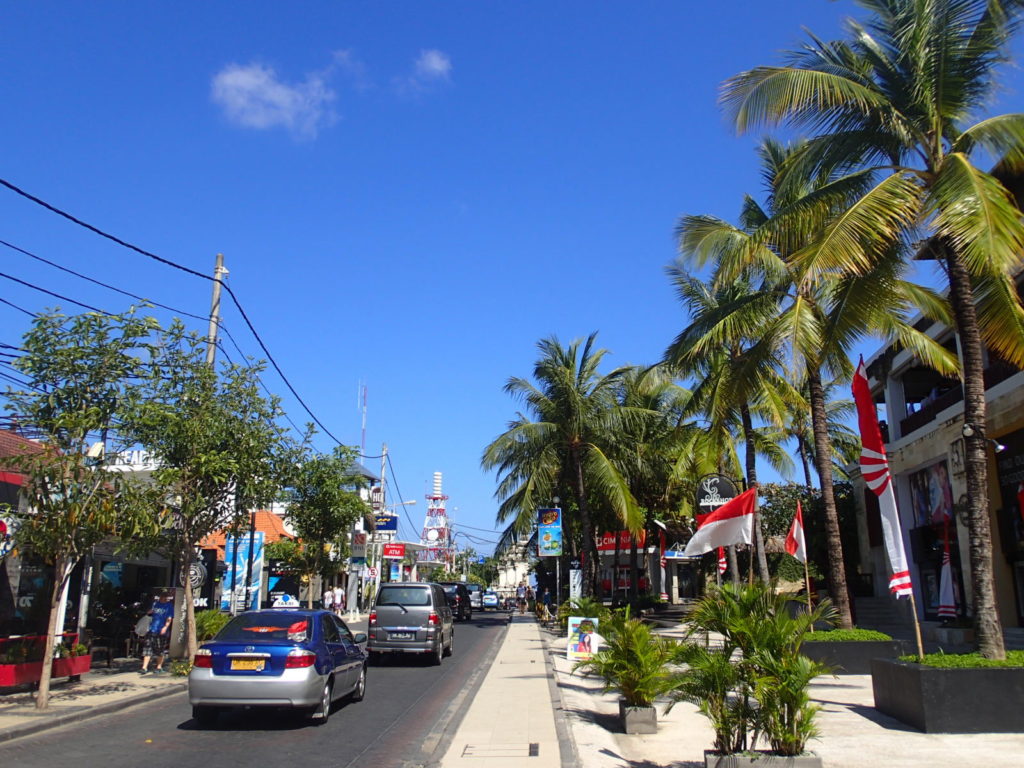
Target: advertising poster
<point>236,557</point>
<point>549,532</point>
<point>931,494</point>
<point>575,579</point>
<point>584,641</point>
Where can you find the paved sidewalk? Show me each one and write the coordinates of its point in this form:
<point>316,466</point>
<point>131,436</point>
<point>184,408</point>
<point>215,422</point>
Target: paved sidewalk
<point>853,733</point>
<point>100,691</point>
<point>511,720</point>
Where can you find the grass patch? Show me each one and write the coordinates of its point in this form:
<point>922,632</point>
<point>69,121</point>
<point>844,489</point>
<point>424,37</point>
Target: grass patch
<point>967,660</point>
<point>846,636</point>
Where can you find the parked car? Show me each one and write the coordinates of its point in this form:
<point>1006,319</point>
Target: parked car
<point>458,599</point>
<point>476,596</point>
<point>294,659</point>
<point>411,617</point>
<point>490,600</point>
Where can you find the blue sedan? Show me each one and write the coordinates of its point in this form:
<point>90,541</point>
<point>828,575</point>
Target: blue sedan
<point>299,660</point>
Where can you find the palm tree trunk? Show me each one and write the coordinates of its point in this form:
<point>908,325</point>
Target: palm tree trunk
<point>751,462</point>
<point>590,560</point>
<point>823,463</point>
<point>802,449</point>
<point>986,617</point>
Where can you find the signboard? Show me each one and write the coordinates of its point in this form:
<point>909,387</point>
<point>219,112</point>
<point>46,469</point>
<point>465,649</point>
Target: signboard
<point>396,572</point>
<point>236,556</point>
<point>371,572</point>
<point>584,641</point>
<point>607,541</point>
<point>575,582</point>
<point>386,522</point>
<point>358,544</point>
<point>394,551</point>
<point>549,532</point>
<point>712,492</point>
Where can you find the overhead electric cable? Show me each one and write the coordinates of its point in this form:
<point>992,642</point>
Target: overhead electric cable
<point>55,295</point>
<point>238,305</point>
<point>20,309</point>
<point>398,490</point>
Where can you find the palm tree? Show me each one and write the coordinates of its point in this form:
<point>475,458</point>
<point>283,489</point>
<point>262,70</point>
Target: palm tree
<point>725,324</point>
<point>894,104</point>
<point>565,441</point>
<point>814,323</point>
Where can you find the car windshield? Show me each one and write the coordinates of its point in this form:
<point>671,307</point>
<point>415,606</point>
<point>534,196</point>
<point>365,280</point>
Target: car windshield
<point>403,596</point>
<point>270,625</point>
<point>451,590</point>
<point>473,587</point>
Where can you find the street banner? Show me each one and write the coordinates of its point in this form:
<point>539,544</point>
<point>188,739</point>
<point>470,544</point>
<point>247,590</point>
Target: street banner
<point>795,544</point>
<point>549,532</point>
<point>732,523</point>
<point>575,579</point>
<point>584,641</point>
<point>236,556</point>
<point>947,599</point>
<point>874,466</point>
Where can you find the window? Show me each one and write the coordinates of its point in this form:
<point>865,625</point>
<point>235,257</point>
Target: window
<point>271,625</point>
<point>403,596</point>
<point>331,634</point>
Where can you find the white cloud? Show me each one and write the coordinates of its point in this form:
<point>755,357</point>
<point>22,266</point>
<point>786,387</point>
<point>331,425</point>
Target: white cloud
<point>254,97</point>
<point>433,65</point>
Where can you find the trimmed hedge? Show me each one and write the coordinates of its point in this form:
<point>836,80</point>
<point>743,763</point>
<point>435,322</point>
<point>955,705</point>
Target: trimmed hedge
<point>967,660</point>
<point>846,636</point>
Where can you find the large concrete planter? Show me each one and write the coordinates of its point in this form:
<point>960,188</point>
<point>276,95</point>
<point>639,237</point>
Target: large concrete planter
<point>950,700</point>
<point>760,759</point>
<point>852,657</point>
<point>638,719</point>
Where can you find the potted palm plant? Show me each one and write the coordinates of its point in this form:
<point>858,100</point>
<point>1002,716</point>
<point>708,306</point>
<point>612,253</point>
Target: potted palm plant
<point>753,686</point>
<point>634,661</point>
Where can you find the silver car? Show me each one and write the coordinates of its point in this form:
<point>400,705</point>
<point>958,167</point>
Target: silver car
<point>411,617</point>
<point>299,660</point>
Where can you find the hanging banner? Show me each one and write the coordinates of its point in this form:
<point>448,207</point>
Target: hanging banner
<point>575,579</point>
<point>549,532</point>
<point>236,556</point>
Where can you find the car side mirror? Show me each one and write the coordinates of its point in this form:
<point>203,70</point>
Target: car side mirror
<point>360,638</point>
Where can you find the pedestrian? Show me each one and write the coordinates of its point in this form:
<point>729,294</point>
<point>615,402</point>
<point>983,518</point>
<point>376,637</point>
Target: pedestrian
<point>339,601</point>
<point>328,599</point>
<point>521,598</point>
<point>158,637</point>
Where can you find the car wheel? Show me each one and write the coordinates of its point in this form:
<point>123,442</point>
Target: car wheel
<point>438,654</point>
<point>322,711</point>
<point>205,716</point>
<point>360,690</point>
<point>451,644</point>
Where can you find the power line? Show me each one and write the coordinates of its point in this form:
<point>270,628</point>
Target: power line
<point>398,490</point>
<point>187,270</point>
<point>20,309</point>
<point>55,295</point>
<point>100,282</point>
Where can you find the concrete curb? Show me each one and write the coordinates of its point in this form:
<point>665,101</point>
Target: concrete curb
<point>48,722</point>
<point>568,752</point>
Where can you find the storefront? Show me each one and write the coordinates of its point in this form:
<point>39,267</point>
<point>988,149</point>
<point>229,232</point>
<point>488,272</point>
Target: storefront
<point>1010,517</point>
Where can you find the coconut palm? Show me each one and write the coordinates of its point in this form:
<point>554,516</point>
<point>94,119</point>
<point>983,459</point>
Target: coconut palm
<point>565,441</point>
<point>815,322</point>
<point>894,103</point>
<point>725,324</point>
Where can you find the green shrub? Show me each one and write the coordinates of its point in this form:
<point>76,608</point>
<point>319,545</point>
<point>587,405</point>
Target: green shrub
<point>582,606</point>
<point>181,667</point>
<point>967,660</point>
<point>846,636</point>
<point>633,660</point>
<point>209,623</point>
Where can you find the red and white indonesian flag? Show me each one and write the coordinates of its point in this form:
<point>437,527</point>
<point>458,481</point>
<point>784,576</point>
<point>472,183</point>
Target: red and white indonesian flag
<point>795,544</point>
<point>875,468</point>
<point>731,523</point>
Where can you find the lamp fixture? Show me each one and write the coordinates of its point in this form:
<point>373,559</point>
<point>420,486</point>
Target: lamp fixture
<point>996,445</point>
<point>968,430</point>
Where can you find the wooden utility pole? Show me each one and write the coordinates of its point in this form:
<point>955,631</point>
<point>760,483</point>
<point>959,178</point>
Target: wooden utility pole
<point>211,337</point>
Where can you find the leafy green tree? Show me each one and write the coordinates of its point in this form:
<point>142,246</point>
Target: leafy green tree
<point>216,442</point>
<point>895,103</point>
<point>563,442</point>
<point>323,506</point>
<point>78,370</point>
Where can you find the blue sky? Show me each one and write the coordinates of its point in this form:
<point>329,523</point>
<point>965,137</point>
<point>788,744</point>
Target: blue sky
<point>408,195</point>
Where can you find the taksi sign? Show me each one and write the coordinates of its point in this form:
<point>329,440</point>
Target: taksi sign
<point>394,551</point>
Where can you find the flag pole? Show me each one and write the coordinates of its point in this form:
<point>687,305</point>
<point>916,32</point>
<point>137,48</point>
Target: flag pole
<point>807,583</point>
<point>917,627</point>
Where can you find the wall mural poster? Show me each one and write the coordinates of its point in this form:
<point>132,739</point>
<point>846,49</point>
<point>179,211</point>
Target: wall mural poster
<point>931,494</point>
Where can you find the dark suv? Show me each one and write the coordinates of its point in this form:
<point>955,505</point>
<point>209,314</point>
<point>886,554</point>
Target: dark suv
<point>458,599</point>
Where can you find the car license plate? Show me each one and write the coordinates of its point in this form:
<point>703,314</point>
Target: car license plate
<point>400,636</point>
<point>251,665</point>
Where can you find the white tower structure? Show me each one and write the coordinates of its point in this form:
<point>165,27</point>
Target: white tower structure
<point>436,537</point>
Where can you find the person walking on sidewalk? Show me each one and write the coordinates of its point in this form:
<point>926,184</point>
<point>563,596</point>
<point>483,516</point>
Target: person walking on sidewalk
<point>328,598</point>
<point>521,598</point>
<point>158,638</point>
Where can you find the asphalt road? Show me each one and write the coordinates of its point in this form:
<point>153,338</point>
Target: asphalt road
<point>410,712</point>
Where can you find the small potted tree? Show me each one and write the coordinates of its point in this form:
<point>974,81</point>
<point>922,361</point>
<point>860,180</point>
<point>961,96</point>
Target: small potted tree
<point>635,662</point>
<point>754,685</point>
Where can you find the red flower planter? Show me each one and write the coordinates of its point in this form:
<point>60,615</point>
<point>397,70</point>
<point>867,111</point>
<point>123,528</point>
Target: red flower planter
<point>31,672</point>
